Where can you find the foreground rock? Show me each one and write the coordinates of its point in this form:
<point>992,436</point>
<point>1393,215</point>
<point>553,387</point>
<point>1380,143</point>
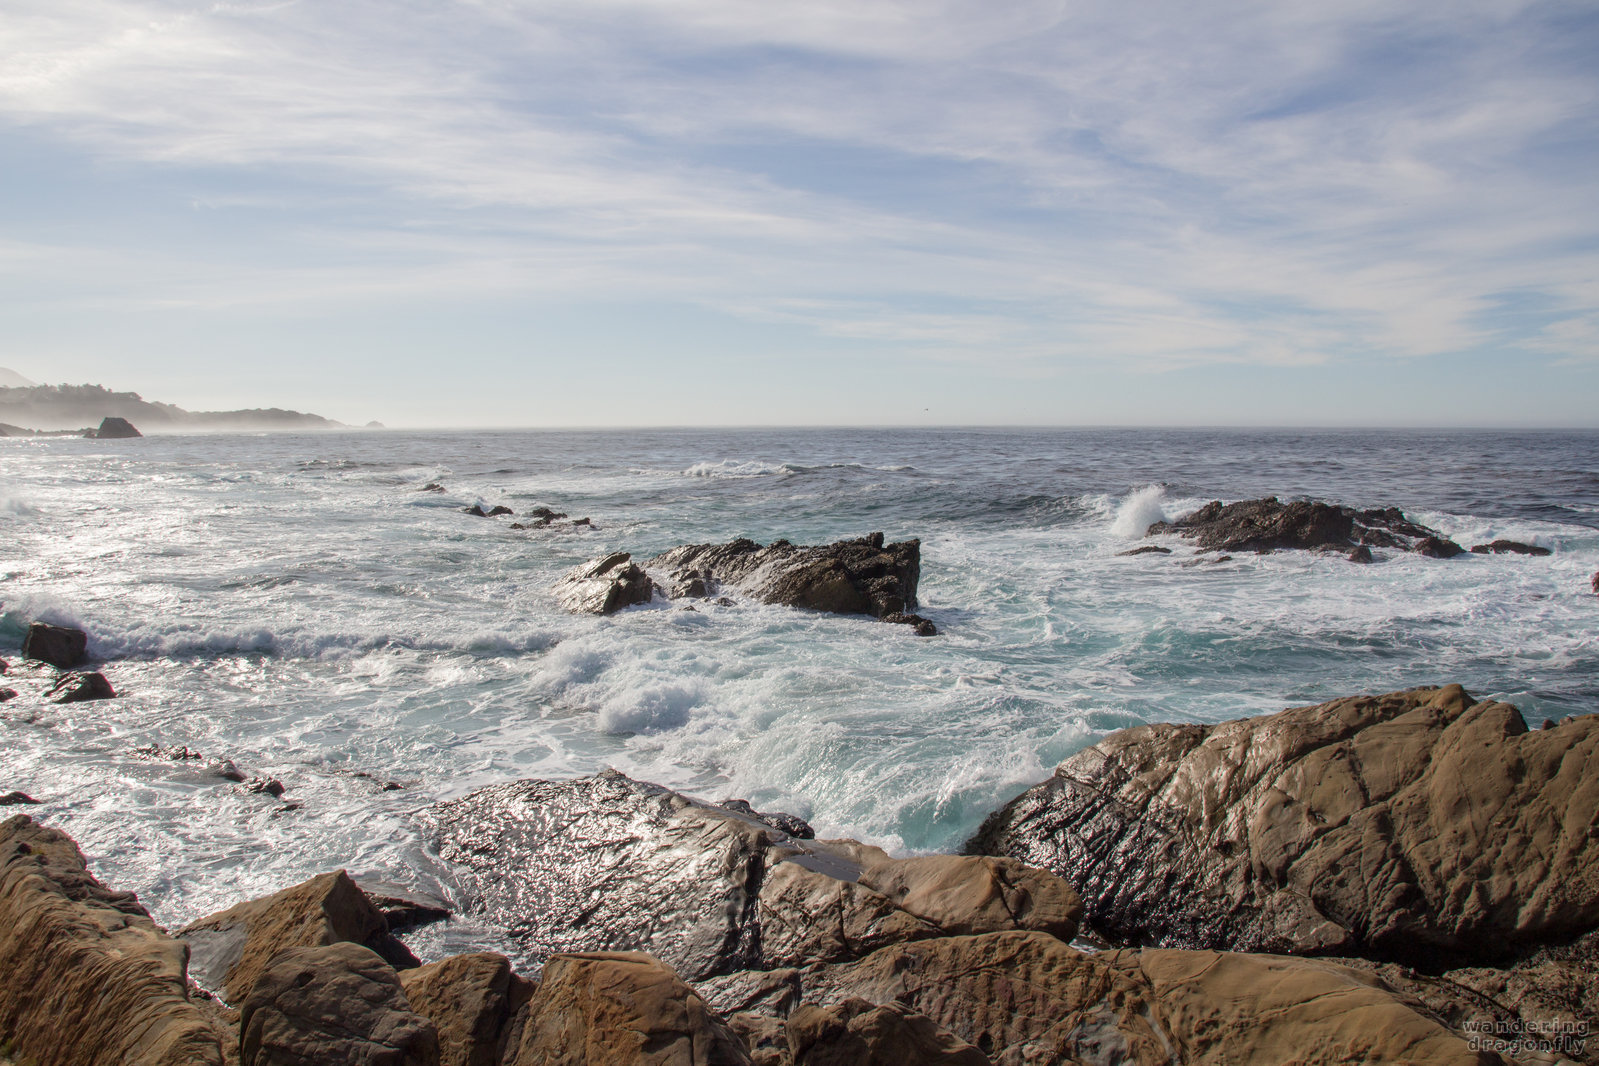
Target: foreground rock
<point>864,576</point>
<point>56,645</point>
<point>85,975</point>
<point>232,949</point>
<point>79,688</point>
<point>1270,525</point>
<point>1421,826</point>
<point>608,863</point>
<point>474,1001</point>
<point>621,1009</point>
<point>334,1003</point>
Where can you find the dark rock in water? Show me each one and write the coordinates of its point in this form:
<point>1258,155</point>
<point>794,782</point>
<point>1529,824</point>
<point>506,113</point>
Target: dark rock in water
<point>1361,554</point>
<point>1513,547</point>
<point>269,786</point>
<point>431,486</point>
<point>116,429</point>
<point>924,627</point>
<point>1269,525</point>
<point>796,827</point>
<point>605,585</point>
<point>77,688</point>
<point>332,1003</point>
<point>5,668</point>
<point>11,799</point>
<point>85,975</point>
<point>862,576</point>
<point>499,509</point>
<point>606,862</point>
<point>7,694</point>
<point>1148,549</point>
<point>476,510</point>
<point>545,514</point>
<point>232,949</point>
<point>1594,583</point>
<point>225,769</point>
<point>56,645</point>
<point>474,1001</point>
<point>692,584</point>
<point>1437,548</point>
<point>1420,826</point>
<point>403,908</point>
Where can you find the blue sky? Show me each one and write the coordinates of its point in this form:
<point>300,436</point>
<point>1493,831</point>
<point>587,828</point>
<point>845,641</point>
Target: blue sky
<point>504,213</point>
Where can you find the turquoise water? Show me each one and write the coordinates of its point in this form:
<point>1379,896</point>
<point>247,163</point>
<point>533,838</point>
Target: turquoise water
<point>295,604</point>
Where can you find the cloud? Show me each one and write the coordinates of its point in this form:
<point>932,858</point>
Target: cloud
<point>1276,183</point>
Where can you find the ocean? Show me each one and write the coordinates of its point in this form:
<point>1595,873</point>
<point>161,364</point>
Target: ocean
<point>297,604</point>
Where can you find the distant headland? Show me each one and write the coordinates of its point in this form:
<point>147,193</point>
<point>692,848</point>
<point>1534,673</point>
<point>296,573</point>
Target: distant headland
<point>57,409</point>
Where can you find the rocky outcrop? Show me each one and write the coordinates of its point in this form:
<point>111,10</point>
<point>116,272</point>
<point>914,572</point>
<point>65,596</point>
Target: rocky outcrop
<point>334,1003</point>
<point>1420,826</point>
<point>621,1009</point>
<point>78,688</point>
<point>856,1032</point>
<point>1512,547</point>
<point>474,1002</point>
<point>85,975</point>
<point>232,949</point>
<point>56,645</point>
<point>114,428</point>
<point>864,576</point>
<point>606,863</point>
<point>1271,525</point>
<point>605,585</point>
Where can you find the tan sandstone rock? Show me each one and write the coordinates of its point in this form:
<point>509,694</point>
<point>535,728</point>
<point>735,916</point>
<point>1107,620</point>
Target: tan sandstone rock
<point>85,975</point>
<point>620,1009</point>
<point>1421,826</point>
<point>471,1000</point>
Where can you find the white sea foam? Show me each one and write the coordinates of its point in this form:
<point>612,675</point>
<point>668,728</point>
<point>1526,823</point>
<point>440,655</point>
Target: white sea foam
<point>1140,510</point>
<point>734,468</point>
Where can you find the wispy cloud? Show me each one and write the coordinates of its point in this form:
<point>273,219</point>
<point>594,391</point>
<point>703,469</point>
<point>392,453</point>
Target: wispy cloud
<point>1039,185</point>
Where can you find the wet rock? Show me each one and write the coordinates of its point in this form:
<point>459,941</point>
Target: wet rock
<point>431,486</point>
<point>269,786</point>
<point>692,584</point>
<point>77,688</point>
<point>794,826</point>
<point>226,770</point>
<point>1513,547</point>
<point>403,908</point>
<point>607,862</point>
<point>855,1032</point>
<point>863,576</point>
<point>56,645</point>
<point>85,975</point>
<point>622,1009</point>
<point>923,627</point>
<point>499,509</point>
<point>604,586</point>
<point>545,515</point>
<point>1421,826</point>
<point>332,1003</point>
<point>1148,549</point>
<point>1361,554</point>
<point>7,694</point>
<point>471,1001</point>
<point>116,429</point>
<point>1269,525</point>
<point>230,950</point>
<point>1593,583</point>
<point>12,799</point>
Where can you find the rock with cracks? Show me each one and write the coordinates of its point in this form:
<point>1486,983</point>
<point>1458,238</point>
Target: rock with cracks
<point>1423,827</point>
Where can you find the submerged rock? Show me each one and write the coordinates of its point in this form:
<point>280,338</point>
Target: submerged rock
<point>1269,525</point>
<point>85,975</point>
<point>57,645</point>
<point>1420,826</point>
<point>606,862</point>
<point>605,585</point>
<point>1513,547</point>
<point>12,799</point>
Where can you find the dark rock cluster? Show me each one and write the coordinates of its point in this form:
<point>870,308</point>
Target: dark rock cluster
<point>1270,525</point>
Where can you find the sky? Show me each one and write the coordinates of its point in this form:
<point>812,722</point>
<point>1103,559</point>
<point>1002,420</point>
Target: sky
<point>873,212</point>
